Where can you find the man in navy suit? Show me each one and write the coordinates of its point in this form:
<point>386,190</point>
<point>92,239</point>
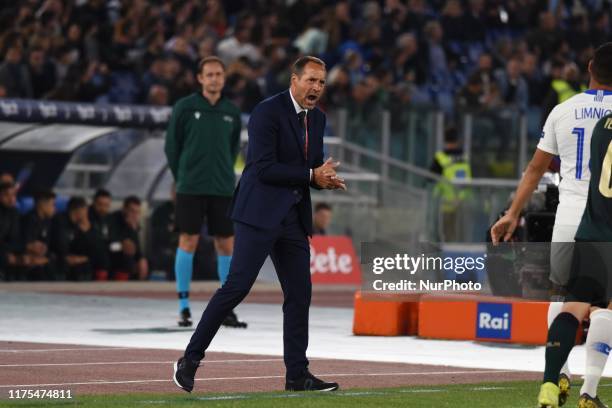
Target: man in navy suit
<point>272,213</point>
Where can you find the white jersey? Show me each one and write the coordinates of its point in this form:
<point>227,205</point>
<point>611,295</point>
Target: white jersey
<point>567,133</point>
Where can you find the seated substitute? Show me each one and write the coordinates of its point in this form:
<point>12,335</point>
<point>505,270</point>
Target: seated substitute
<point>9,233</point>
<point>99,216</point>
<point>74,241</point>
<point>39,262</point>
<point>127,259</point>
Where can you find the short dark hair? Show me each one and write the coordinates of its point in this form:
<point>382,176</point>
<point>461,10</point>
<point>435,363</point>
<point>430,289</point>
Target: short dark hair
<point>76,203</point>
<point>129,200</point>
<point>5,187</point>
<point>209,60</point>
<point>322,206</point>
<point>451,135</point>
<point>101,193</point>
<point>43,195</point>
<point>601,64</point>
<point>298,66</point>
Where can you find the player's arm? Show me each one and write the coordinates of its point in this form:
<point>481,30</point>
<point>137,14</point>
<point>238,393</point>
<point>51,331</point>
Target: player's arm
<point>236,138</point>
<point>318,159</point>
<point>172,146</point>
<point>505,226</point>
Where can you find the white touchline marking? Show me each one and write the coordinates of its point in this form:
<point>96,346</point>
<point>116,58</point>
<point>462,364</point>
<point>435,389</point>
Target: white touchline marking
<point>69,349</point>
<point>263,377</point>
<point>338,394</point>
<point>263,360</point>
<point>421,390</point>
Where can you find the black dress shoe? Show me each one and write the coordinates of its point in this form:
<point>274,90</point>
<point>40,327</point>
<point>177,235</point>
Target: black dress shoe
<point>309,382</point>
<point>184,373</point>
<point>232,321</point>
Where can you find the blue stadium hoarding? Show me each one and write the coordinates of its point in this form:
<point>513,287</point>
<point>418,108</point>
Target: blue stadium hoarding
<point>494,321</point>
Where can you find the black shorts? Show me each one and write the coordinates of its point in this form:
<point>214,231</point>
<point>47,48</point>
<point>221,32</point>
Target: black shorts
<point>591,272</point>
<point>192,210</point>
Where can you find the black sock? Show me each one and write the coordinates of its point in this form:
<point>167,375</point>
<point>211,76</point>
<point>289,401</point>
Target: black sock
<point>561,339</point>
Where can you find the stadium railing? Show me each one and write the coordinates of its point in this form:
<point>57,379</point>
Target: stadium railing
<point>385,156</point>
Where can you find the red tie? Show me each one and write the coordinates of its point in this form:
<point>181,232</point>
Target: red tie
<point>305,124</point>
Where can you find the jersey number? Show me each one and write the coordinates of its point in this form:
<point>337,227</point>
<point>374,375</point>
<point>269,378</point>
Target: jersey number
<point>605,180</point>
<point>579,132</point>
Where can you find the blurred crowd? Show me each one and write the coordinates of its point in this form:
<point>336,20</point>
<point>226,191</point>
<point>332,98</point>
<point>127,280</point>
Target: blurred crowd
<point>81,242</point>
<point>471,54</point>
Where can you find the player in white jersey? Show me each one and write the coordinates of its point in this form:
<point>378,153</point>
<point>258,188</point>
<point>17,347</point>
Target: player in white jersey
<point>567,133</point>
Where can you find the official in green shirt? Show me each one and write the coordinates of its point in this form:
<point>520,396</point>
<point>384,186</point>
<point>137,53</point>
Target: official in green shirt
<point>202,143</point>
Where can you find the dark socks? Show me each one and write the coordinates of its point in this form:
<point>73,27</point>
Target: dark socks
<point>561,339</point>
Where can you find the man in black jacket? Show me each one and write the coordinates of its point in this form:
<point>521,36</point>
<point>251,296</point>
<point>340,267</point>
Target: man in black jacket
<point>99,216</point>
<point>74,241</point>
<point>36,232</point>
<point>127,259</point>
<point>9,232</point>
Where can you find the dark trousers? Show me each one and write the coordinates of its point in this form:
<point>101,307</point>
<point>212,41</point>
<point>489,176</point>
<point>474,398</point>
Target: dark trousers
<point>288,247</point>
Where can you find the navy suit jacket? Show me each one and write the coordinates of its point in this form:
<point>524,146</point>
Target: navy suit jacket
<point>277,174</point>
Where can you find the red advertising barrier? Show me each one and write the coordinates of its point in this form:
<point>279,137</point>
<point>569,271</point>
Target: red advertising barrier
<point>333,260</point>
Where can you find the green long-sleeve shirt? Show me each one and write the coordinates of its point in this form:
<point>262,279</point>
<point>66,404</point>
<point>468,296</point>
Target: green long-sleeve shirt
<point>202,143</point>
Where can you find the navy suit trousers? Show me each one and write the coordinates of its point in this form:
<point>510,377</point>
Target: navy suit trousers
<point>289,249</point>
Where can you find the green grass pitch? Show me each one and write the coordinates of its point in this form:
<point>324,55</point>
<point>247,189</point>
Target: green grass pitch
<point>509,394</point>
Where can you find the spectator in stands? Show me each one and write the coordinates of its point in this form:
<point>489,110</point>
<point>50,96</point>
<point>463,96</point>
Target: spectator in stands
<point>512,86</point>
<point>7,178</point>
<point>534,76</point>
<point>563,88</point>
<point>9,233</point>
<point>338,88</point>
<point>321,218</point>
<point>42,72</point>
<point>436,55</point>
<point>214,17</point>
<point>154,74</point>
<point>158,95</point>
<point>74,241</point>
<point>475,26</point>
<point>99,216</point>
<point>101,52</point>
<point>472,96</point>
<point>95,81</point>
<point>601,31</point>
<point>241,86</point>
<point>339,23</point>
<point>453,21</point>
<point>546,37</point>
<point>14,75</point>
<point>579,33</point>
<point>127,259</point>
<point>485,72</point>
<point>39,261</point>
<point>238,45</point>
<point>408,65</point>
